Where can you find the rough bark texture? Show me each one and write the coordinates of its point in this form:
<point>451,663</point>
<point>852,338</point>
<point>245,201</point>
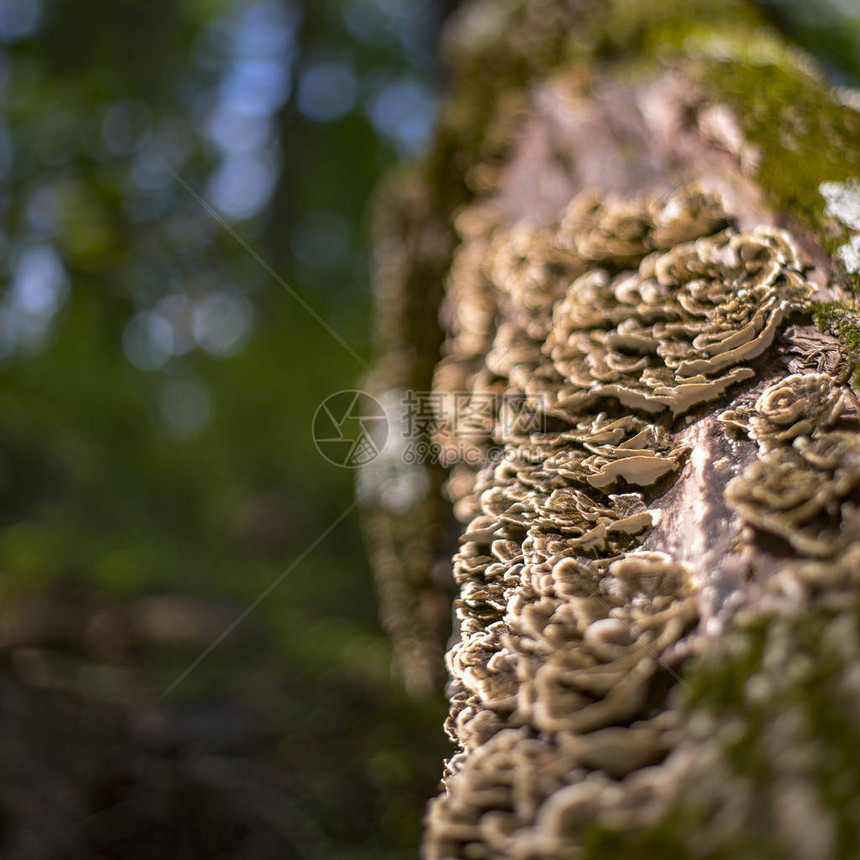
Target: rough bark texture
<point>648,305</point>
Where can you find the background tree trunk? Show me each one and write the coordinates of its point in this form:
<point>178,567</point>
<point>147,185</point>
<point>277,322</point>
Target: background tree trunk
<point>635,232</point>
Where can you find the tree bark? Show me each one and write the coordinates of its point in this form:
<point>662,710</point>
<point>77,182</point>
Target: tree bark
<point>637,229</point>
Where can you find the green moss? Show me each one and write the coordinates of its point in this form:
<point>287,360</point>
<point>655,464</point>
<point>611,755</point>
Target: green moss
<point>635,29</point>
<point>829,730</point>
<point>805,137</point>
<point>842,321</point>
<point>661,842</point>
<point>784,106</point>
<point>714,683</point>
<point>828,742</point>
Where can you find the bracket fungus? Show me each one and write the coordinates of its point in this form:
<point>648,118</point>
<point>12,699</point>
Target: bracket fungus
<point>679,331</point>
<point>570,625</point>
<point>651,450</point>
<point>567,626</point>
<point>805,486</point>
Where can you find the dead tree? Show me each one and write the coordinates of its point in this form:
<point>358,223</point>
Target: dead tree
<point>637,230</point>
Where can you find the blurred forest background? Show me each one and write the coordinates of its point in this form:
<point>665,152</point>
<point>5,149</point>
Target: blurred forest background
<point>157,388</point>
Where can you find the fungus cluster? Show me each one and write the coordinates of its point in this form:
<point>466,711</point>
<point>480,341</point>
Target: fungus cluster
<point>573,350</point>
<point>805,486</point>
<point>683,328</point>
<point>591,337</point>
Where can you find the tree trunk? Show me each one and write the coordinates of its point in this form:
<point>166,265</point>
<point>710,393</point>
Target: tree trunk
<point>635,230</point>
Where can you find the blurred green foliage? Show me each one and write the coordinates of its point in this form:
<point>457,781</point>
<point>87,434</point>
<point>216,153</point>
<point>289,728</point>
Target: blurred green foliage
<point>829,29</point>
<point>157,384</point>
